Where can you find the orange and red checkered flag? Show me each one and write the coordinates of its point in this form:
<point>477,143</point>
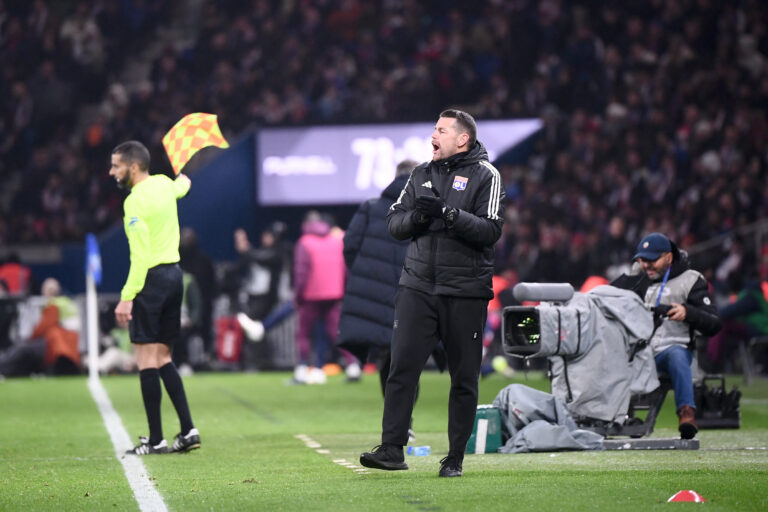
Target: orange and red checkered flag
<point>191,134</point>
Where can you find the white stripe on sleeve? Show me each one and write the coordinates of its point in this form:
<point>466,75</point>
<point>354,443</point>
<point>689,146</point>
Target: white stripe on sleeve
<point>493,201</point>
<point>402,193</point>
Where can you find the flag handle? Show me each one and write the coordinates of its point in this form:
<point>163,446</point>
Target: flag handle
<point>92,326</point>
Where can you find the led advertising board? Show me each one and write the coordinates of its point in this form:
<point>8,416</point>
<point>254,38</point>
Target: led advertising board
<point>350,164</point>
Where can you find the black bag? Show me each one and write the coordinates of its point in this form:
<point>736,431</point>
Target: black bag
<point>716,408</point>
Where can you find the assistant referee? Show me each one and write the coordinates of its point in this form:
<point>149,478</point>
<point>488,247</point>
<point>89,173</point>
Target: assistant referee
<point>150,301</point>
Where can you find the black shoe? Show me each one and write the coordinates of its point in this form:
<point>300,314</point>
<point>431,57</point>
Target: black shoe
<point>147,449</point>
<point>450,466</point>
<point>186,443</point>
<point>385,456</point>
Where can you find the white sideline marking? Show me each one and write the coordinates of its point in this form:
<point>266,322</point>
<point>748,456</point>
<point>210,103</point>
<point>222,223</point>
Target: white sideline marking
<point>146,495</point>
<point>311,443</point>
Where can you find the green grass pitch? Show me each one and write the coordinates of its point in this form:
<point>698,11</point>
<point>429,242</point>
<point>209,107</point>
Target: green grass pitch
<point>268,445</point>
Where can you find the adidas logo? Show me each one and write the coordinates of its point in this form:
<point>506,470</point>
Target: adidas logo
<point>427,184</point>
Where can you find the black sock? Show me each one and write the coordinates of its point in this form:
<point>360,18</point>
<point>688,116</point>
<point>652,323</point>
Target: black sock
<point>152,393</point>
<point>175,389</point>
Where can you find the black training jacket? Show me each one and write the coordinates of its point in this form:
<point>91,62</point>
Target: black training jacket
<point>455,260</point>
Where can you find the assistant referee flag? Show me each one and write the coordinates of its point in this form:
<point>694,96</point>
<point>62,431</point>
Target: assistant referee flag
<point>191,134</point>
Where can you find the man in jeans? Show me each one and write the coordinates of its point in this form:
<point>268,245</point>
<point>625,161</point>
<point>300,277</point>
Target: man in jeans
<point>679,297</point>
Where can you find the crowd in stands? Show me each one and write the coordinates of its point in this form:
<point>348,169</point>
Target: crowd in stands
<point>56,59</point>
<point>654,111</point>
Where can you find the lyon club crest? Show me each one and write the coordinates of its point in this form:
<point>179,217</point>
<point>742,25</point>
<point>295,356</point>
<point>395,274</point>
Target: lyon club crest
<point>460,183</point>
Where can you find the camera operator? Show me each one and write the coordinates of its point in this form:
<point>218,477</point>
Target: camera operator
<point>679,297</point>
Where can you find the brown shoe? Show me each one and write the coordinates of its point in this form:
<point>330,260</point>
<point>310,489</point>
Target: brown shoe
<point>687,425</point>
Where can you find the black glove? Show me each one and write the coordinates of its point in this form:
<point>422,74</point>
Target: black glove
<point>430,206</point>
<point>420,218</point>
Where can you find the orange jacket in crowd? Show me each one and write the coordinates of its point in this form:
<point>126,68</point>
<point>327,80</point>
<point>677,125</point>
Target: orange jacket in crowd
<point>59,342</point>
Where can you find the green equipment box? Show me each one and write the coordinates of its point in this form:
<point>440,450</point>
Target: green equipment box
<point>486,434</point>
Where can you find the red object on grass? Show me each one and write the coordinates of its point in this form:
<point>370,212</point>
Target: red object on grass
<point>687,496</point>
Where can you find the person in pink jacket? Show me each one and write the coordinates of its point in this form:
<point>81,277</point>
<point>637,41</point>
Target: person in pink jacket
<point>319,274</point>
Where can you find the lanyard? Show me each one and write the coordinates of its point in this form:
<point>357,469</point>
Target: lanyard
<point>663,284</point>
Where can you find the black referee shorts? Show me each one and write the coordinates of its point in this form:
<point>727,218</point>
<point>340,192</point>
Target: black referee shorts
<point>156,314</point>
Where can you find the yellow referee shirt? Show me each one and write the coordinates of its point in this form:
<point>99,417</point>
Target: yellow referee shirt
<point>152,227</point>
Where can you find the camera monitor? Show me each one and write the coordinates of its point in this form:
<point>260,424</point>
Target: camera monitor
<point>521,330</point>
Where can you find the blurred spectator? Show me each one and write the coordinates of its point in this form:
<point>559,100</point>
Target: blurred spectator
<point>374,262</point>
<point>15,278</point>
<point>8,315</point>
<point>614,249</point>
<point>744,318</point>
<point>53,344</point>
<point>191,313</point>
<point>547,267</point>
<point>82,35</point>
<point>259,270</point>
<point>729,272</point>
<point>195,262</point>
<point>117,355</point>
<point>318,282</point>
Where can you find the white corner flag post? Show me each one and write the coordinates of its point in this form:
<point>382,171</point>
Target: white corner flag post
<point>92,278</point>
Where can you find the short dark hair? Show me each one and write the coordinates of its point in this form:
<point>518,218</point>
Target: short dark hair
<point>465,121</point>
<point>133,151</point>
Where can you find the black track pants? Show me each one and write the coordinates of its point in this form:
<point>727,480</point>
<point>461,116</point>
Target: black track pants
<point>421,321</point>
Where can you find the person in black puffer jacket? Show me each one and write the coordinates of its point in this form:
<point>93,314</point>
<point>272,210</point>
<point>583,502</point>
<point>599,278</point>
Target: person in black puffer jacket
<point>374,261</point>
<point>451,209</point>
